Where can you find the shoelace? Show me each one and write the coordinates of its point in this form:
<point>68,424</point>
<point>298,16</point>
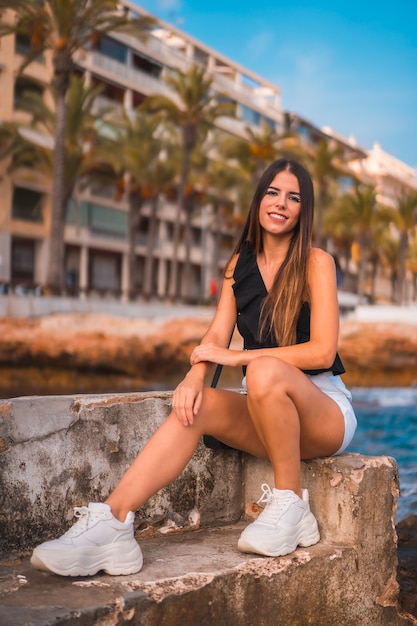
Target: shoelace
<point>274,505</point>
<point>83,513</point>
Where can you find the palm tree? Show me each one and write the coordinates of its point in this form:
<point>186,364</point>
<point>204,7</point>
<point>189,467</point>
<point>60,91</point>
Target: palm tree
<point>340,232</point>
<point>258,149</point>
<point>193,109</point>
<point>324,169</point>
<point>63,27</point>
<point>36,152</point>
<point>357,214</point>
<point>390,259</point>
<point>404,218</point>
<point>224,190</point>
<point>160,174</point>
<point>379,236</point>
<point>24,153</point>
<point>128,152</point>
<point>412,264</point>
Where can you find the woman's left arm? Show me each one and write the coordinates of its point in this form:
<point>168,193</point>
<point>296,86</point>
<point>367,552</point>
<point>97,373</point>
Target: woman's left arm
<point>324,311</point>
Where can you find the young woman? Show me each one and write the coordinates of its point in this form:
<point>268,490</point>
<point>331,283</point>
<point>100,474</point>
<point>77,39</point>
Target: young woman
<point>282,294</point>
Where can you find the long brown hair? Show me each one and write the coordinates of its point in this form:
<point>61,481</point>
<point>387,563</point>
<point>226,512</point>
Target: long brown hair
<point>289,290</point>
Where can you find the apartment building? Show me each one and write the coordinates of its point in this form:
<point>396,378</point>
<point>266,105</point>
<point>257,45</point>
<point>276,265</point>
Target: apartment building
<point>96,235</point>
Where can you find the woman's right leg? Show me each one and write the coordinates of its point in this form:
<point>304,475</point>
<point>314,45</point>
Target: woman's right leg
<point>103,538</point>
<point>223,414</point>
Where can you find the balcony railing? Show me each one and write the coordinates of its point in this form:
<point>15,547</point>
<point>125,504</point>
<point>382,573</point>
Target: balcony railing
<point>136,79</point>
<point>129,76</point>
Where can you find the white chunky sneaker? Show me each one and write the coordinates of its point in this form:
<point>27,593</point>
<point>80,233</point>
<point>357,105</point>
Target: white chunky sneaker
<point>285,523</point>
<point>97,541</point>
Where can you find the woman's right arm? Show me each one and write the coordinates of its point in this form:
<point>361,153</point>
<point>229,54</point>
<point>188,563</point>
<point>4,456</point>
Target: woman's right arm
<point>187,397</point>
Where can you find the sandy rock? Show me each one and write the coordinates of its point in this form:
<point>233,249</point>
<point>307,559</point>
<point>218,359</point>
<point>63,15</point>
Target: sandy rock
<point>144,350</point>
<point>381,354</point>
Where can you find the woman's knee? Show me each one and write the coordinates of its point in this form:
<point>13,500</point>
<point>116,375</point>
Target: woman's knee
<point>265,375</point>
<point>210,409</point>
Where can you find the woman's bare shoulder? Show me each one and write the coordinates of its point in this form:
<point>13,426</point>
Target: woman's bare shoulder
<point>320,257</point>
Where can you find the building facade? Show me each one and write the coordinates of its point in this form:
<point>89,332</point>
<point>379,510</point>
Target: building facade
<point>96,235</point>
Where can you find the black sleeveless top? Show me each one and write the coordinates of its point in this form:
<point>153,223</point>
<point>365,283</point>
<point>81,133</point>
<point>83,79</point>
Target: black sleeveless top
<point>250,291</point>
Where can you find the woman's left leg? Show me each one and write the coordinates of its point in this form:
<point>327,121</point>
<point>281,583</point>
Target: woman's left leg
<point>293,419</point>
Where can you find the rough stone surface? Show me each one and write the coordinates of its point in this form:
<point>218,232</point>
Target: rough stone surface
<point>407,564</point>
<point>196,576</point>
<point>62,452</point>
<point>201,578</point>
<point>379,354</point>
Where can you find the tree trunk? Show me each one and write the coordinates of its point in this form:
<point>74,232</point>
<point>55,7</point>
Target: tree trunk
<point>393,282</point>
<point>135,205</point>
<point>174,286</point>
<point>214,264</point>
<point>402,273</point>
<point>150,244</point>
<point>186,290</point>
<point>189,138</point>
<point>374,266</point>
<point>56,270</point>
<point>363,246</point>
<point>322,197</point>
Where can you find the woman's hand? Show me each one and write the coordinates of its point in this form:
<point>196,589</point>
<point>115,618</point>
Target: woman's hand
<point>210,352</point>
<point>187,397</point>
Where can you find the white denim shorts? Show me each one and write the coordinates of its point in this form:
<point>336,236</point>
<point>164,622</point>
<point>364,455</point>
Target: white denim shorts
<point>334,387</point>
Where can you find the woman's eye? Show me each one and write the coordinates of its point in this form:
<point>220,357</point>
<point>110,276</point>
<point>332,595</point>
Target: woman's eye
<point>271,192</point>
<point>294,198</point>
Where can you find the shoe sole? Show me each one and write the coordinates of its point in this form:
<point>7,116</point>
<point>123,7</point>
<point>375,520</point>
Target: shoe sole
<point>88,561</point>
<point>304,538</point>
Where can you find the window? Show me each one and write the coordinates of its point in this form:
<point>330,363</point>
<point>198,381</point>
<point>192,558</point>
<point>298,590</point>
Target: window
<point>146,65</point>
<point>143,230</point>
<point>27,205</point>
<point>200,56</point>
<point>110,91</point>
<point>22,46</point>
<point>303,131</point>
<point>23,260</point>
<point>249,115</point>
<point>107,221</point>
<point>196,237</point>
<point>113,49</point>
<point>105,271</point>
<point>24,86</point>
<point>267,120</point>
<point>232,104</point>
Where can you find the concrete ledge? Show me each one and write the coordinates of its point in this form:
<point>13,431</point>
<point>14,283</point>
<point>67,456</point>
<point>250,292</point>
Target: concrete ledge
<point>59,452</point>
<point>200,578</point>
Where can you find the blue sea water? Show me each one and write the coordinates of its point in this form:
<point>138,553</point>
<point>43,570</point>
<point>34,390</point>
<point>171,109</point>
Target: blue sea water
<point>387,425</point>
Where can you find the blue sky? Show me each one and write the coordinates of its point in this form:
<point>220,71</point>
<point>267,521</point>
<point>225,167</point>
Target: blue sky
<point>350,65</point>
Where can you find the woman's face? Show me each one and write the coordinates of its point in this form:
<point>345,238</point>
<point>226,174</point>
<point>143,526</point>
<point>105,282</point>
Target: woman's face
<point>280,208</point>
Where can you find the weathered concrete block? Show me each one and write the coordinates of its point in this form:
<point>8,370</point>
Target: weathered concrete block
<point>56,453</point>
<point>201,578</point>
<point>354,499</point>
<point>341,489</point>
<point>75,449</point>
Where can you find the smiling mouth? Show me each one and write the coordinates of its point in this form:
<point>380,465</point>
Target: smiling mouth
<point>278,216</point>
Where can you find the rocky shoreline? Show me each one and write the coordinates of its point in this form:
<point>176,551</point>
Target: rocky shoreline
<point>75,351</point>
<point>407,564</point>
